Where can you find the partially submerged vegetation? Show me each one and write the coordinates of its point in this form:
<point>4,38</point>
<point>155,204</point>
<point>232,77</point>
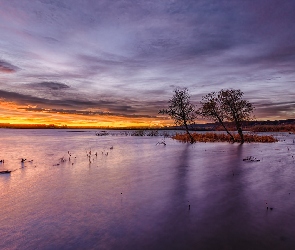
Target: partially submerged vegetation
<point>225,106</point>
<point>137,132</point>
<point>214,137</point>
<point>181,110</point>
<point>198,137</point>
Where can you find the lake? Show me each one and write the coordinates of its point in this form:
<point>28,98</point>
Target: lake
<point>77,190</point>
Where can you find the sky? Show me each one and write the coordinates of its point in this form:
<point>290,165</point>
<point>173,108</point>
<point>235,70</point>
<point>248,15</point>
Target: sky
<point>116,63</point>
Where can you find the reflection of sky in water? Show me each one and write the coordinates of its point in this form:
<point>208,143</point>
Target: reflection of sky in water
<point>80,205</point>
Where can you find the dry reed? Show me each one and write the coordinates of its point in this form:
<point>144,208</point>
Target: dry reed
<point>213,137</point>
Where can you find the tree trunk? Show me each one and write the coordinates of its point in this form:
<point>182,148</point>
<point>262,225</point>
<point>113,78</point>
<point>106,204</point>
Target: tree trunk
<point>241,135</point>
<point>239,129</point>
<point>231,136</point>
<point>189,134</point>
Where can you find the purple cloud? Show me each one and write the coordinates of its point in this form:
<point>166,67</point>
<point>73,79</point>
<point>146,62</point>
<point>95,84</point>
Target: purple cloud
<point>138,50</point>
<point>6,67</point>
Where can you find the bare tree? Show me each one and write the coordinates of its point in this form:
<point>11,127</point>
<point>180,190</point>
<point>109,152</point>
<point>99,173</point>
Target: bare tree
<point>227,105</point>
<point>181,110</point>
<point>235,108</point>
<point>211,108</point>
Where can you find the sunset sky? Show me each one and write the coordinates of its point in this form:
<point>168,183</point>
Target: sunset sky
<point>116,63</point>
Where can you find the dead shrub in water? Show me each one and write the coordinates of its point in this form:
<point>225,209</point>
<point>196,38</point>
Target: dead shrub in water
<point>152,133</point>
<point>138,133</point>
<point>213,137</point>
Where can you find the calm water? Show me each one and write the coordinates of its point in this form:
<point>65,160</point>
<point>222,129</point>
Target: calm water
<point>137,195</point>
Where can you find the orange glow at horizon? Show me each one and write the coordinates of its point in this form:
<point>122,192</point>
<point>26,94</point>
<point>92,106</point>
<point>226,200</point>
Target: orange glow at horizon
<point>13,113</point>
<point>16,114</point>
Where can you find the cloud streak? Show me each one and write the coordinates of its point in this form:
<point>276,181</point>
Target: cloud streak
<point>86,113</point>
<point>6,67</point>
<point>126,57</point>
<point>127,108</point>
<point>49,85</point>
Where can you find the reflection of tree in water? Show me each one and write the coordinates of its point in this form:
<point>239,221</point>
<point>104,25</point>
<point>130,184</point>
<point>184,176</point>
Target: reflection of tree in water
<point>230,220</point>
<point>182,169</point>
<point>219,216</point>
<point>225,213</point>
<point>175,228</point>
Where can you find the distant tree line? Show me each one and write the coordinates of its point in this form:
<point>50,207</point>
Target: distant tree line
<point>225,106</point>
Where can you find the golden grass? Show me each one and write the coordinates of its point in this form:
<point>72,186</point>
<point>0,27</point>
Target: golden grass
<point>213,137</point>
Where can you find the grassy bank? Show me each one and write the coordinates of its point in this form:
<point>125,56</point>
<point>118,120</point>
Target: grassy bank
<point>213,137</point>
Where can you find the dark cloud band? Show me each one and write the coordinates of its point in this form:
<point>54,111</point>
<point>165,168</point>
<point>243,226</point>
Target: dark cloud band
<point>6,67</point>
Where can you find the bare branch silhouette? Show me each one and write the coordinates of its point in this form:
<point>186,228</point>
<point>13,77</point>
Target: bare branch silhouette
<point>181,110</point>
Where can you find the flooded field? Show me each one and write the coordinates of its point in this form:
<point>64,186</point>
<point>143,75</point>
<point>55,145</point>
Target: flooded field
<point>76,190</point>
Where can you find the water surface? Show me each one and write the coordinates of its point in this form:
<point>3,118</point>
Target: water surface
<point>139,195</point>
